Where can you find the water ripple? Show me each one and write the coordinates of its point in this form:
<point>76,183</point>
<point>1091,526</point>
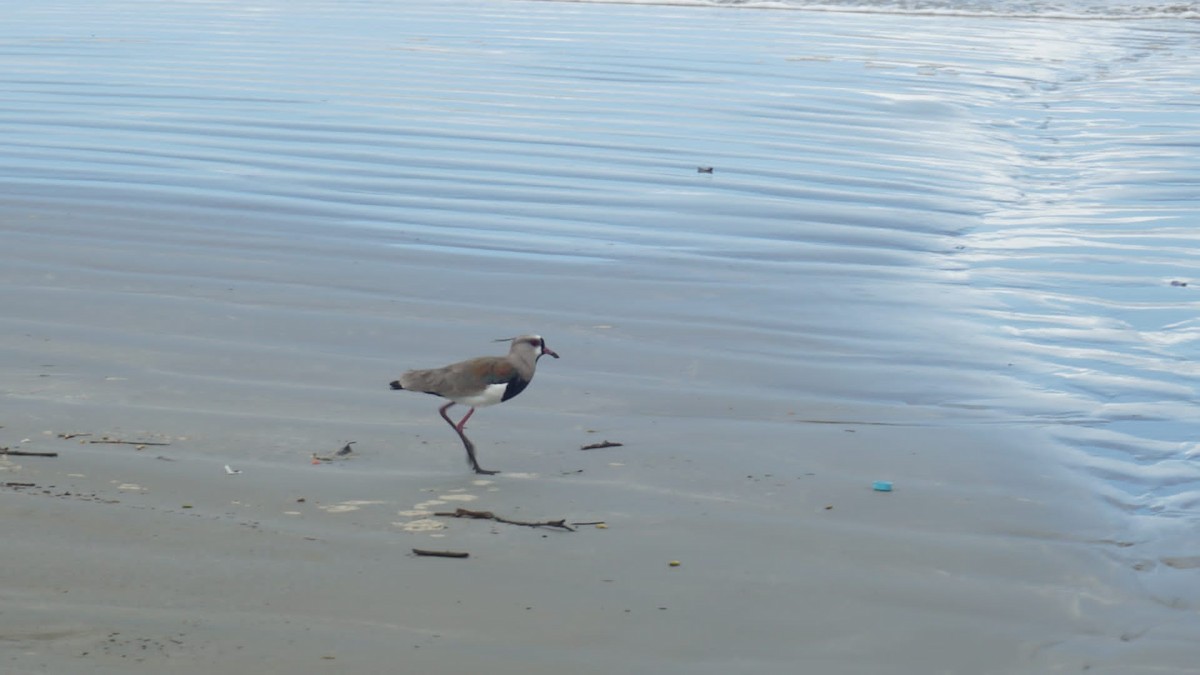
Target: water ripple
<point>899,212</point>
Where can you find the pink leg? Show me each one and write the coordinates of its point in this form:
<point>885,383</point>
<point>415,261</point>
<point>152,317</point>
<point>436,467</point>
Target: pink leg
<point>443,410</point>
<point>458,428</point>
<point>466,417</point>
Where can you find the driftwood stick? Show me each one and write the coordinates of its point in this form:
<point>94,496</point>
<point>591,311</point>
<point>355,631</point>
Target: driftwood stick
<point>603,444</point>
<point>442,554</point>
<point>23,453</point>
<point>488,515</point>
<point>105,440</point>
<point>20,485</point>
<point>593,522</point>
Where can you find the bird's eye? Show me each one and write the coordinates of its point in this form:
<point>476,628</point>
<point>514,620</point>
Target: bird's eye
<point>536,343</point>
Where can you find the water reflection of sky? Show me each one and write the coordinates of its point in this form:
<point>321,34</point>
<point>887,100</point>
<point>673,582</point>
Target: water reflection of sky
<point>975,219</point>
<point>1094,261</point>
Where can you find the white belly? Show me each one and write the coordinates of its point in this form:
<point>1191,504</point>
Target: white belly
<point>491,395</point>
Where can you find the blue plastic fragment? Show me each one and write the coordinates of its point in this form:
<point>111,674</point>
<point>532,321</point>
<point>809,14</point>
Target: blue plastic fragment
<point>882,485</point>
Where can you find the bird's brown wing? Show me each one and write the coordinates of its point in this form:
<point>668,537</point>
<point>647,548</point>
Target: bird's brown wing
<point>460,379</point>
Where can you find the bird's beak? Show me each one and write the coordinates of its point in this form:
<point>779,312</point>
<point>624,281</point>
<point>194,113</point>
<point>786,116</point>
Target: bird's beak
<point>547,350</point>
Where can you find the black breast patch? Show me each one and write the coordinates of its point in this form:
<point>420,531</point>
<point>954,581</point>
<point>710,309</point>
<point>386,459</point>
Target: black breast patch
<point>515,386</point>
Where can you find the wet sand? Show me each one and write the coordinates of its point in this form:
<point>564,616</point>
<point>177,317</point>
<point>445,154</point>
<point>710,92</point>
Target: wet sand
<point>147,558</point>
<point>234,282</point>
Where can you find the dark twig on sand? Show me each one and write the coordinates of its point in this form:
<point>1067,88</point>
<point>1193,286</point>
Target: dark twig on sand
<point>592,522</point>
<point>442,554</point>
<point>105,440</point>
<point>488,515</point>
<point>603,444</point>
<point>70,436</point>
<point>23,453</point>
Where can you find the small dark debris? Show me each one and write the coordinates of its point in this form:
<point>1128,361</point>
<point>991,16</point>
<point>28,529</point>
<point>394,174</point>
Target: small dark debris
<point>602,444</point>
<point>441,554</point>
<point>24,453</point>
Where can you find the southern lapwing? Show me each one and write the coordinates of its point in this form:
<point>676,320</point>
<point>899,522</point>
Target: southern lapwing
<point>479,382</point>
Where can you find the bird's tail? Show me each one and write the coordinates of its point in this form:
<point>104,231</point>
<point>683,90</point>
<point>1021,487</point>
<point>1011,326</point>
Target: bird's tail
<point>396,385</point>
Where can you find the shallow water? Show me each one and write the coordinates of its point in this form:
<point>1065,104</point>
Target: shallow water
<point>930,221</point>
<point>982,216</point>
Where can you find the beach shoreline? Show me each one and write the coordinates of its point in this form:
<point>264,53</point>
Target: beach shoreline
<point>213,278</point>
